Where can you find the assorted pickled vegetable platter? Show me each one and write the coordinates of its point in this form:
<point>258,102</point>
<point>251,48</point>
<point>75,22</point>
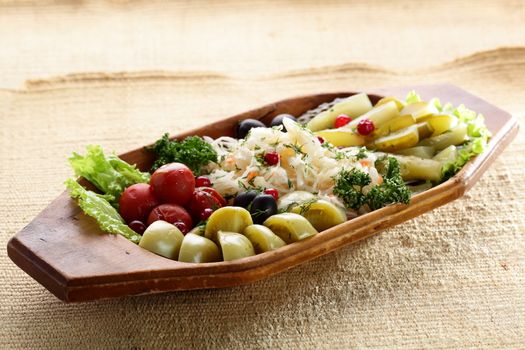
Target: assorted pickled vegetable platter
<point>209,200</point>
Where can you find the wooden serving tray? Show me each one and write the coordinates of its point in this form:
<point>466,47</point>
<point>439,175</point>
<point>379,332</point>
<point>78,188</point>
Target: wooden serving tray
<point>67,253</point>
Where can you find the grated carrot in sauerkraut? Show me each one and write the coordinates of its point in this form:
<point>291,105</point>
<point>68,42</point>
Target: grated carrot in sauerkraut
<point>304,163</point>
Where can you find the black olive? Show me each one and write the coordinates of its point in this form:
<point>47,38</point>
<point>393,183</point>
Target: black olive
<point>263,206</point>
<point>278,120</point>
<point>244,127</point>
<point>244,199</point>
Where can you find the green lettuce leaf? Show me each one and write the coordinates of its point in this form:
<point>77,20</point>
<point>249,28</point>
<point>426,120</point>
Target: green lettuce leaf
<point>98,207</point>
<point>109,174</point>
<point>412,97</point>
<point>477,133</point>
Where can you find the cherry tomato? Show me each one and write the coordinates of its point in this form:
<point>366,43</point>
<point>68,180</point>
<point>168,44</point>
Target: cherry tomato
<point>136,202</point>
<point>171,213</point>
<point>365,127</point>
<point>272,192</point>
<point>173,183</point>
<point>215,194</point>
<point>271,158</point>
<point>137,226</point>
<point>342,120</point>
<point>201,181</point>
<point>204,198</point>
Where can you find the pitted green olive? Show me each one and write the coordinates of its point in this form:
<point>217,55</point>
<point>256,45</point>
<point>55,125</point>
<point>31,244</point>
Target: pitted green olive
<point>162,238</point>
<point>290,227</point>
<point>198,249</point>
<point>230,219</point>
<point>262,238</point>
<point>234,245</point>
<point>321,214</point>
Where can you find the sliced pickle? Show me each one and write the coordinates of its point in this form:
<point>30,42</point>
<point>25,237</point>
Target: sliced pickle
<point>262,238</point>
<point>449,154</point>
<point>425,152</point>
<point>198,249</point>
<point>420,110</point>
<point>378,115</point>
<point>395,124</point>
<point>455,137</point>
<point>399,104</point>
<point>231,219</point>
<point>403,138</point>
<point>441,123</point>
<point>321,214</point>
<point>424,130</point>
<point>341,137</point>
<point>234,245</point>
<point>294,198</point>
<point>353,106</point>
<point>162,238</point>
<point>415,168</point>
<point>290,227</point>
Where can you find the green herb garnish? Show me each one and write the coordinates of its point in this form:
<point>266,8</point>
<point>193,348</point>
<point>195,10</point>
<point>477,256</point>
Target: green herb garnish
<point>193,151</point>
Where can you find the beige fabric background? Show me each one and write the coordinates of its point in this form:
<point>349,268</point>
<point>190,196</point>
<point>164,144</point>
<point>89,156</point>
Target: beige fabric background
<point>121,73</point>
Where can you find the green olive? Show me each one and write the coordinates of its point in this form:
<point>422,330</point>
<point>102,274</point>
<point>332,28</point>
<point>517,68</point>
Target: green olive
<point>234,245</point>
<point>290,227</point>
<point>262,238</point>
<point>198,249</point>
<point>162,238</point>
<point>321,214</point>
<point>230,219</point>
<point>292,199</point>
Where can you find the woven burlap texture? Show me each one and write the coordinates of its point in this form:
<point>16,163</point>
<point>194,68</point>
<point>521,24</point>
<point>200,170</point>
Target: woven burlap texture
<point>451,278</point>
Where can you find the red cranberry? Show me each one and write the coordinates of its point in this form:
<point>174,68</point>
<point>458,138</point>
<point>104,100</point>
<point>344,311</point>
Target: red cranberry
<point>320,139</point>
<point>342,120</point>
<point>271,158</point>
<point>137,226</point>
<point>202,181</point>
<point>181,226</point>
<point>272,192</point>
<point>205,214</point>
<point>365,127</point>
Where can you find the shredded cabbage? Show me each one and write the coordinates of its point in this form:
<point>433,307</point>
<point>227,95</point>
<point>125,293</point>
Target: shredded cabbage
<point>304,163</point>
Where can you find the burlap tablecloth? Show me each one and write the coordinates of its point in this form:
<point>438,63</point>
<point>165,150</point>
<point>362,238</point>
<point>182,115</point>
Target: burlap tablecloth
<point>454,277</point>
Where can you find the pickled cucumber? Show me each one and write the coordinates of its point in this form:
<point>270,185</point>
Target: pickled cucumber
<point>441,123</point>
<point>400,104</point>
<point>341,137</point>
<point>425,152</point>
<point>456,136</point>
<point>403,138</point>
<point>353,106</point>
<point>378,115</point>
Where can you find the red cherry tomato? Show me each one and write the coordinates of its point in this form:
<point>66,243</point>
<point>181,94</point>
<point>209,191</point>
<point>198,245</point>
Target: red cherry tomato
<point>201,181</point>
<point>215,195</point>
<point>173,183</point>
<point>272,192</point>
<point>365,127</point>
<point>136,202</point>
<point>204,199</point>
<point>271,158</point>
<point>171,213</point>
<point>342,120</point>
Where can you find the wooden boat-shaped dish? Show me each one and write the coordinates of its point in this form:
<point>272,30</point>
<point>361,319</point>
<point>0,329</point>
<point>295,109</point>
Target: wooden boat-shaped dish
<point>65,251</point>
